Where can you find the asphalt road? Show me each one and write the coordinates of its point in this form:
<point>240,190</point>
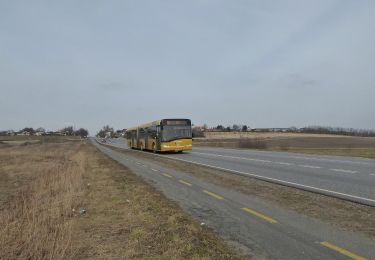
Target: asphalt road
<point>252,224</point>
<point>344,177</point>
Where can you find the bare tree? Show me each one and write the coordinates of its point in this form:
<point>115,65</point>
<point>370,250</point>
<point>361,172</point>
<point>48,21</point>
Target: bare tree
<point>236,127</point>
<point>67,130</point>
<point>82,132</point>
<point>220,127</point>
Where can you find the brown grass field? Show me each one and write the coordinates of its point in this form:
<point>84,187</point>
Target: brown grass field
<point>45,186</point>
<point>293,142</point>
<point>48,139</point>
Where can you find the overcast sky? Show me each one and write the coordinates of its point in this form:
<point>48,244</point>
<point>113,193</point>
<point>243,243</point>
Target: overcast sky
<point>260,63</point>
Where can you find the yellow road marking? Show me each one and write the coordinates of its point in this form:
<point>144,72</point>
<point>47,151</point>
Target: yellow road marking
<point>167,175</point>
<point>260,215</point>
<point>185,182</point>
<point>213,195</point>
<point>342,251</point>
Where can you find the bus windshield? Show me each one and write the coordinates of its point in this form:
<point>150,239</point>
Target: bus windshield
<point>173,132</point>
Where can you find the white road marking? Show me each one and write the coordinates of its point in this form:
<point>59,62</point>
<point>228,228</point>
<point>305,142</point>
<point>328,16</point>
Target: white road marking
<point>154,170</point>
<point>343,171</point>
<point>234,157</point>
<point>310,166</point>
<point>284,163</point>
<point>329,160</point>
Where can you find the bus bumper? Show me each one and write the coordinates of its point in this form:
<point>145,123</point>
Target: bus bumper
<point>177,145</point>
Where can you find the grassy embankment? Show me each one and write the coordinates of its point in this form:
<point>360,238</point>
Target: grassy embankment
<point>44,188</point>
<point>297,143</point>
<point>46,139</point>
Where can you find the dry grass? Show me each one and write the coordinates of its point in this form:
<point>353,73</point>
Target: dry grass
<point>260,135</point>
<point>43,186</point>
<point>252,143</point>
<point>293,142</point>
<point>128,218</point>
<point>45,139</point>
<point>39,187</point>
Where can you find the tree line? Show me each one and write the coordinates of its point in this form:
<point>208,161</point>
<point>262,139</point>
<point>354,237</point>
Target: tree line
<point>199,130</point>
<point>338,131</point>
<point>66,131</point>
<point>108,131</point>
<point>233,128</point>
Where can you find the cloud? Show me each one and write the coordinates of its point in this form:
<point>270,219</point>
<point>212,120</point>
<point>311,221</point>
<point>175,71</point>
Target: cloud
<point>112,86</point>
<point>298,81</point>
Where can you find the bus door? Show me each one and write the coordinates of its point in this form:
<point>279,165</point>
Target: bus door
<point>133,137</point>
<point>158,138</point>
<point>146,138</point>
<point>137,141</point>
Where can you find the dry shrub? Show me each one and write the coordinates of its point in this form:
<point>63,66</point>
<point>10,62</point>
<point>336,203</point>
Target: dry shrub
<point>252,143</point>
<point>37,223</point>
<point>284,146</point>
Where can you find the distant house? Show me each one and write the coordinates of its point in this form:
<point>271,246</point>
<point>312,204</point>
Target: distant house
<point>261,130</point>
<point>213,130</point>
<point>198,129</point>
<point>10,132</point>
<point>120,133</point>
<point>23,133</point>
<point>40,131</point>
<point>283,130</point>
<point>279,130</point>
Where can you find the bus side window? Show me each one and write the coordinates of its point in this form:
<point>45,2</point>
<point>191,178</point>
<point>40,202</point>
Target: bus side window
<point>157,131</point>
<point>152,131</point>
<point>141,133</point>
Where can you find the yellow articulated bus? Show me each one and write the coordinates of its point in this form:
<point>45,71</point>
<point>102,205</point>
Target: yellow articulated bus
<point>161,136</point>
